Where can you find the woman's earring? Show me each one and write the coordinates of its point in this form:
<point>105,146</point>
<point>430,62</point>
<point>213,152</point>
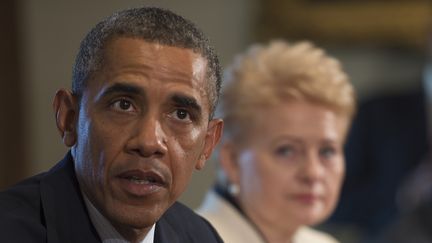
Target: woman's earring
<point>233,189</point>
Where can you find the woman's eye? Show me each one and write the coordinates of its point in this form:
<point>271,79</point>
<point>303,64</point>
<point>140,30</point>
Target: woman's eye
<point>123,105</point>
<point>285,151</point>
<point>327,152</point>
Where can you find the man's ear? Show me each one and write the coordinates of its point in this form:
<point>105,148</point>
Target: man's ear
<point>213,135</point>
<point>66,113</point>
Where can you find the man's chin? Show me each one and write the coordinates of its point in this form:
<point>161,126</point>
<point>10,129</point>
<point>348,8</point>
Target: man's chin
<point>138,218</point>
<point>134,226</point>
<point>143,222</point>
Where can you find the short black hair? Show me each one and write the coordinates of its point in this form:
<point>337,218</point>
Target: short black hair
<point>151,24</point>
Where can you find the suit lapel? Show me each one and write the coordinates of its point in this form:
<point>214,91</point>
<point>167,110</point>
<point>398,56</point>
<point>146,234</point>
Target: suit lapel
<point>165,233</point>
<point>65,213</point>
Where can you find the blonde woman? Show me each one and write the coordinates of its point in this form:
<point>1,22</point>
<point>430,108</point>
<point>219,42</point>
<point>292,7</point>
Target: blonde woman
<point>287,108</point>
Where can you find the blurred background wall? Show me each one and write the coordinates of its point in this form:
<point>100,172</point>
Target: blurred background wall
<point>380,43</point>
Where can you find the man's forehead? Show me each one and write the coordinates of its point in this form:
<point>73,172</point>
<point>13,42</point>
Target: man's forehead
<point>168,63</point>
<point>177,60</point>
<point>154,45</point>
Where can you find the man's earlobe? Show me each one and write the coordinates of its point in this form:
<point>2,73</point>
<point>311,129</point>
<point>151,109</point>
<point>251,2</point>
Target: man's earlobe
<point>214,133</point>
<point>65,107</point>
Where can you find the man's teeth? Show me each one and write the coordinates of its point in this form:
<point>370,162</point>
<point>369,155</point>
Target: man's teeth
<point>137,180</point>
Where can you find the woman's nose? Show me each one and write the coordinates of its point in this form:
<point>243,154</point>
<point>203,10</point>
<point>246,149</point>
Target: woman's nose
<point>312,167</point>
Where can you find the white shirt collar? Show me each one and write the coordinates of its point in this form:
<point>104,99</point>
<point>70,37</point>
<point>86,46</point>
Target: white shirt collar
<point>106,231</point>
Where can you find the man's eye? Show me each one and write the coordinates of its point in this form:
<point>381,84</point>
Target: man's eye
<point>123,105</point>
<point>181,114</point>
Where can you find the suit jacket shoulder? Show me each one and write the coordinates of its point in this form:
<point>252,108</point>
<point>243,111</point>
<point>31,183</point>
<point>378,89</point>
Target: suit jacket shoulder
<point>49,208</point>
<point>181,224</point>
<point>46,208</point>
<point>20,213</point>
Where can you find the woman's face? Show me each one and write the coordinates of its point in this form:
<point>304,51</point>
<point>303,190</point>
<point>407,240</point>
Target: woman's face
<point>291,165</point>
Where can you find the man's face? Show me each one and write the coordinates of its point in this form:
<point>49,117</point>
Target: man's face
<point>142,128</point>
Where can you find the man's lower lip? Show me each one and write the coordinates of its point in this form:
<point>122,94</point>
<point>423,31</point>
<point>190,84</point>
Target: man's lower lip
<point>138,189</point>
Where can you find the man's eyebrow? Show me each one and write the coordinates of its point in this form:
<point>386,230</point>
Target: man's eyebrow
<point>122,88</point>
<point>186,101</point>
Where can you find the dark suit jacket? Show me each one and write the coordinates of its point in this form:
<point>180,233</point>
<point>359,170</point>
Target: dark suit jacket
<point>387,141</point>
<point>49,208</point>
<point>415,226</point>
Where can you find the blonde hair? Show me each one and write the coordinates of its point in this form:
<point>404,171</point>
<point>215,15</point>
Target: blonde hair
<point>281,71</point>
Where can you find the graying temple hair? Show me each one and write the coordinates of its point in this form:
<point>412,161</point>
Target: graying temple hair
<point>150,24</point>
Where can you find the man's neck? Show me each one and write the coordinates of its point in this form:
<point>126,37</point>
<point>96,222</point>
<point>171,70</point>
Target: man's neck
<point>134,235</point>
<point>109,231</point>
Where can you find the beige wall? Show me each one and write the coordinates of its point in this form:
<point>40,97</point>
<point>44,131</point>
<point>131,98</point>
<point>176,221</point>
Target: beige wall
<point>52,30</point>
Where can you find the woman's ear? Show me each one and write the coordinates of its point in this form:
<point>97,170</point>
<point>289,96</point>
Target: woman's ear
<point>228,161</point>
<point>66,111</point>
<point>213,135</point>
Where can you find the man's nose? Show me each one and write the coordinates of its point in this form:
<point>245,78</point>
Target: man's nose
<point>149,138</point>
